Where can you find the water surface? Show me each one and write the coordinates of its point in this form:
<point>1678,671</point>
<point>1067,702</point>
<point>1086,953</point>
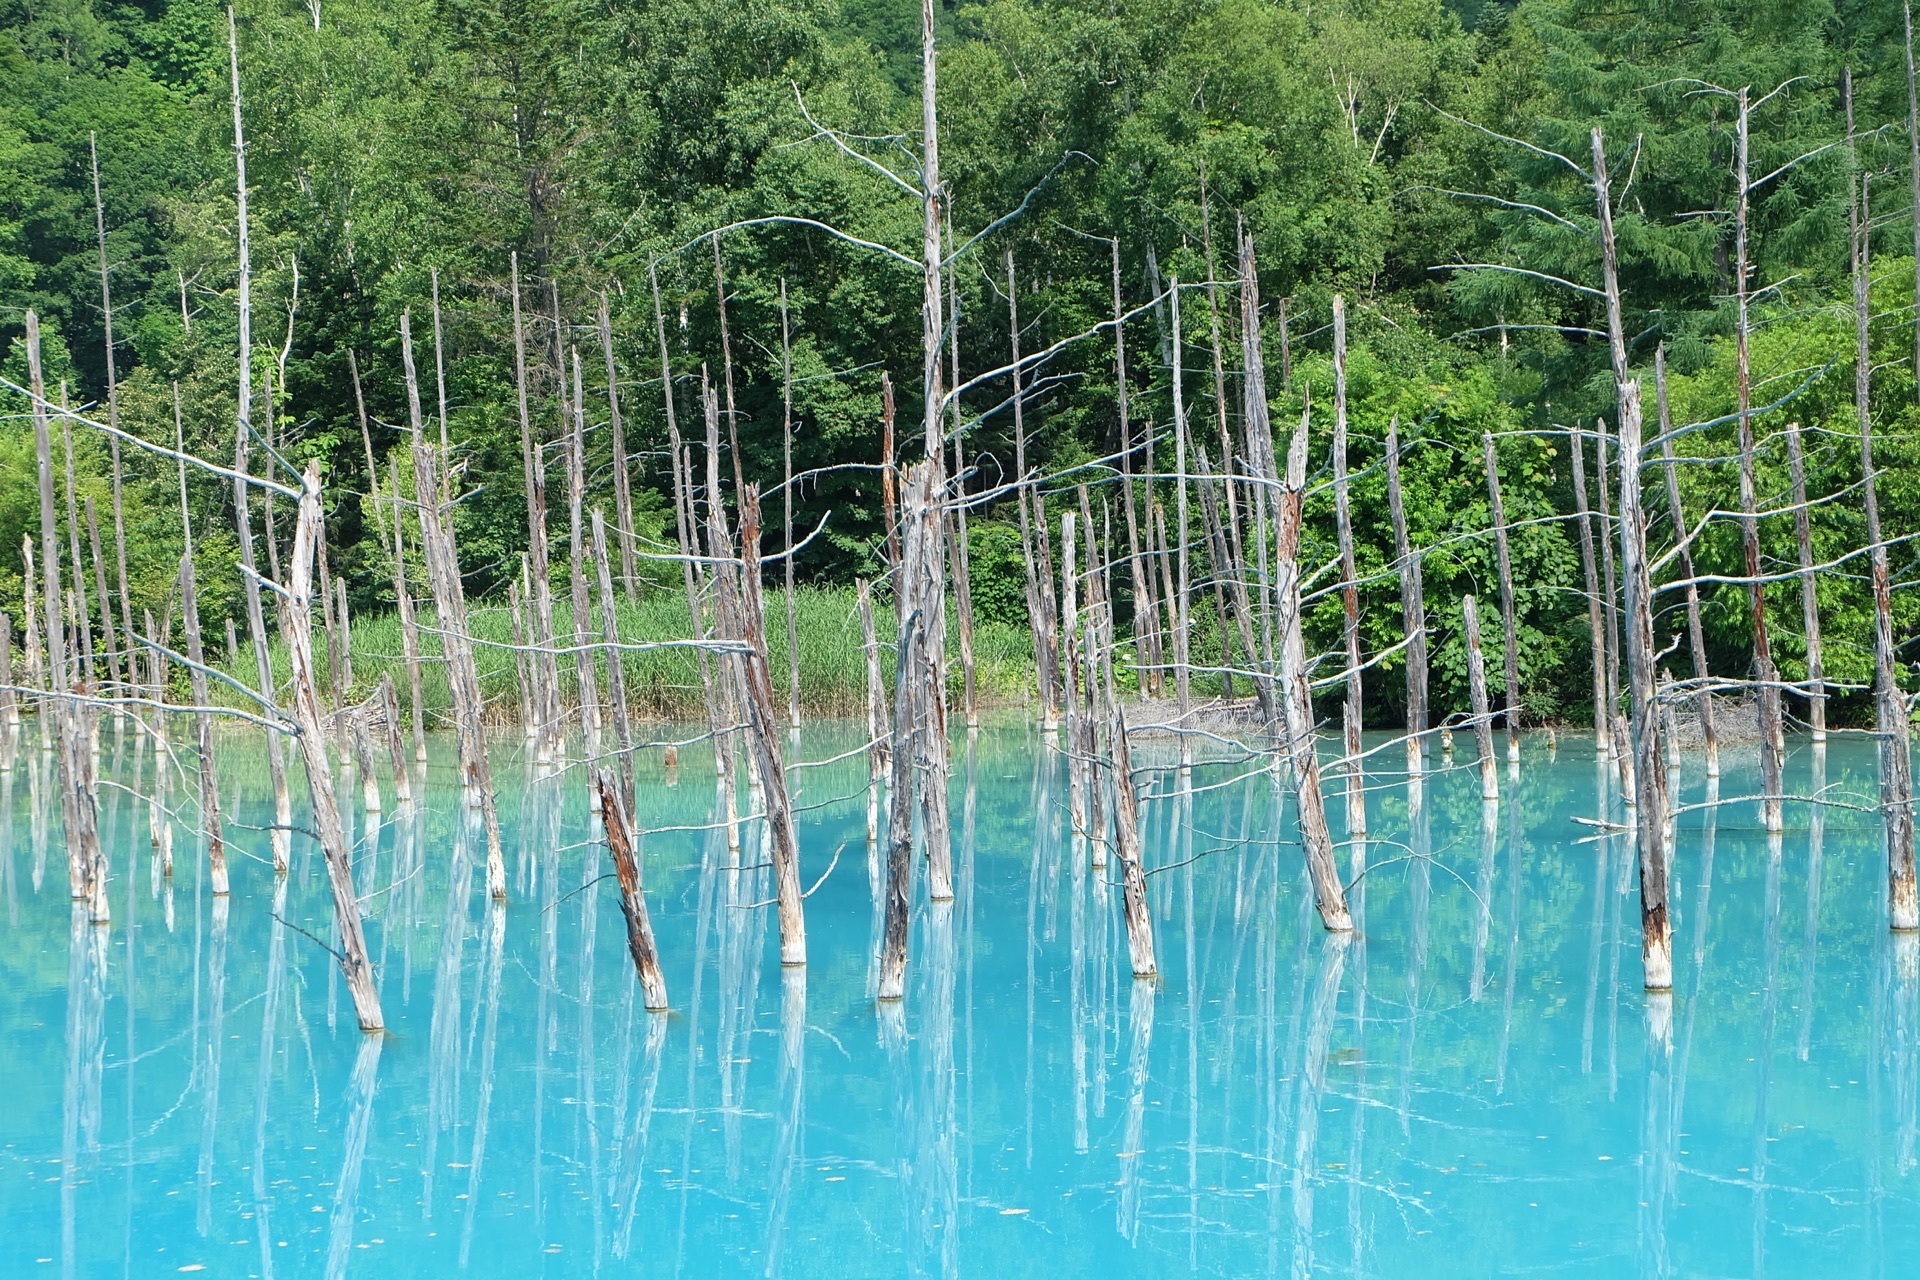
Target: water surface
<point>1469,1086</point>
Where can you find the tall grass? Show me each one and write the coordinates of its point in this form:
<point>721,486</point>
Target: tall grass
<point>665,683</point>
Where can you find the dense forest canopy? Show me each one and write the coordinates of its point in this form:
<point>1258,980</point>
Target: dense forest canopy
<point>1371,150</point>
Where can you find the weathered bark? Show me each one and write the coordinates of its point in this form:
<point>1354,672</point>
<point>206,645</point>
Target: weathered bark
<point>1038,590</point>
<point>113,411</point>
<point>622,464</point>
<point>354,965</point>
<point>1126,847</point>
<point>1596,629</point>
<point>763,725</point>
<point>892,983</point>
<point>363,758</point>
<point>1149,672</point>
<point>197,677</point>
<point>633,902</point>
<point>533,465</point>
<point>1696,632</point>
<point>920,582</point>
<point>409,622</point>
<point>1352,706</point>
<point>1509,626</point>
<point>1913,145</point>
<point>586,676</point>
<point>877,742</point>
<point>616,673</point>
<point>1181,617</point>
<point>100,594</point>
<point>1477,699</point>
<point>396,754</point>
<point>1772,736</point>
<point>1413,610</point>
<point>450,607</point>
<point>1809,599</point>
<point>1609,580</point>
<point>1649,760</point>
<point>1296,695</point>
<point>786,501</point>
<point>86,865</point>
<point>1889,704</point>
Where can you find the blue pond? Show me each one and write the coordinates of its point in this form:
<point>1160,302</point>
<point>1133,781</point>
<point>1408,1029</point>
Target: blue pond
<point>1472,1085</point>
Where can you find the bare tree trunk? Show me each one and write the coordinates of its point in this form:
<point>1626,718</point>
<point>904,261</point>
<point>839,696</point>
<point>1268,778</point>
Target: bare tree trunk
<point>685,529</point>
<point>633,902</point>
<point>363,759</point>
<point>1772,737</point>
<point>1477,698</point>
<point>764,726</point>
<point>616,674</point>
<point>120,678</point>
<point>1609,592</point>
<point>1297,696</point>
<point>197,675</point>
<point>1696,633</point>
<point>1038,585</point>
<point>622,467</point>
<point>113,407</point>
<point>1596,629</point>
<point>1509,626</point>
<point>390,717</point>
<point>1413,610</point>
<point>1126,845</point>
<point>1181,618</point>
<point>354,965</point>
<point>86,866</point>
<point>1648,757</point>
<point>533,464</point>
<point>1891,719</point>
<point>1352,708</point>
<point>1148,670</point>
<point>892,984</point>
<point>409,623</point>
<point>1809,599</point>
<point>585,676</point>
<point>877,741</point>
<point>1913,143</point>
<point>450,607</point>
<point>922,588</point>
<point>786,497</point>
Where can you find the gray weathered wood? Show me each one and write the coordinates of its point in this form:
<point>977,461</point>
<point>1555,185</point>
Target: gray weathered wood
<point>1509,626</point>
<point>335,851</point>
<point>633,902</point>
<point>1809,598</point>
<point>1413,609</point>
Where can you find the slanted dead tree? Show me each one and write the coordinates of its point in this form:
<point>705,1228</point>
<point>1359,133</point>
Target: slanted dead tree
<point>633,902</point>
<point>307,716</point>
<point>763,727</point>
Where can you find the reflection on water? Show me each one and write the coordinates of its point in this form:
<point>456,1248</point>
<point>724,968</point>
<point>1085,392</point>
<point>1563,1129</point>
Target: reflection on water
<point>1471,1083</point>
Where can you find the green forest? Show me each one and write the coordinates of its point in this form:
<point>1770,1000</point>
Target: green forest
<point>402,157</point>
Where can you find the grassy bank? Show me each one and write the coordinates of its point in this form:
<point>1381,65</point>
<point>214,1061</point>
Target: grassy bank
<point>665,683</point>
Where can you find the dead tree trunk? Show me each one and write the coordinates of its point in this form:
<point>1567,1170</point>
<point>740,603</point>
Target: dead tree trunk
<point>1352,707</point>
<point>86,867</point>
<point>113,409</point>
<point>1509,626</point>
<point>1596,629</point>
<point>450,606</point>
<point>1180,616</point>
<point>1038,584</point>
<point>633,902</point>
<point>533,464</point>
<point>1609,579</point>
<point>763,724</point>
<point>1889,704</point>
<point>616,673</point>
<point>786,497</point>
<point>1296,695</point>
<point>1146,632</point>
<point>409,623</point>
<point>1413,610</point>
<point>622,468</point>
<point>354,965</point>
<point>921,584</point>
<point>1683,539</point>
<point>1126,844</point>
<point>1649,759</point>
<point>197,676</point>
<point>390,716</point>
<point>1477,698</point>
<point>1772,737</point>
<point>892,983</point>
<point>1809,599</point>
<point>587,681</point>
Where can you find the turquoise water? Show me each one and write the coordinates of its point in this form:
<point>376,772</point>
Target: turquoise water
<point>1467,1088</point>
